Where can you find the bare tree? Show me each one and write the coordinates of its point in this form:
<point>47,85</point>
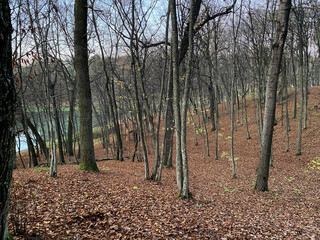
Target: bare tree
<point>112,102</point>
<point>271,94</point>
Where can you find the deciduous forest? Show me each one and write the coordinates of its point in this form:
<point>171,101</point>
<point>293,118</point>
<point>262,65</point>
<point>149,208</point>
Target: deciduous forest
<point>132,119</point>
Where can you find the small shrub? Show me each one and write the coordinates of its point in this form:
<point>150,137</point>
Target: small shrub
<point>314,165</point>
<point>224,154</point>
<point>199,131</point>
<point>199,205</point>
<point>229,191</point>
<point>297,191</point>
<point>290,179</point>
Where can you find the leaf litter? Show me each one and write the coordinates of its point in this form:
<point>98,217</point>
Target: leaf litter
<point>117,203</point>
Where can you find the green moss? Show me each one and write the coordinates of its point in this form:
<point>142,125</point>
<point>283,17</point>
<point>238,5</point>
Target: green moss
<point>88,167</point>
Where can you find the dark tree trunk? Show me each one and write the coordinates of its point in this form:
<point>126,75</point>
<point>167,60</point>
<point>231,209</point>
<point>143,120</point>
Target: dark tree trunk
<point>212,97</point>
<point>271,95</point>
<point>168,123</point>
<point>31,151</point>
<point>70,151</point>
<point>7,110</point>
<point>87,161</point>
<point>57,123</point>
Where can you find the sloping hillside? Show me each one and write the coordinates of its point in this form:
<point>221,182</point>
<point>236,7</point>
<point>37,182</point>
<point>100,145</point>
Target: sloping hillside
<point>117,203</point>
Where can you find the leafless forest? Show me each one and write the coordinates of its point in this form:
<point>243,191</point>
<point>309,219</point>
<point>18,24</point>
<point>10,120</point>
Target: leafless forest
<point>160,119</point>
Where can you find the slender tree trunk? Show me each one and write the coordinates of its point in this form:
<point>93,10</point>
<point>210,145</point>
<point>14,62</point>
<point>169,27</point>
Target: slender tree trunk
<point>206,142</point>
<point>53,148</point>
<point>168,122</point>
<point>114,119</point>
<point>287,107</point>
<point>19,151</point>
<point>305,108</point>
<point>184,107</point>
<point>216,89</point>
<point>57,123</point>
<point>246,116</point>
<point>41,142</point>
<point>176,95</point>
<point>140,120</point>
<point>70,150</point>
<point>232,93</point>
<point>212,104</point>
<point>31,151</point>
<point>159,158</point>
<point>294,78</point>
<point>301,78</point>
<point>271,94</point>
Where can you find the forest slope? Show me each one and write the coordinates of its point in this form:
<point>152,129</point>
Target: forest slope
<point>118,203</point>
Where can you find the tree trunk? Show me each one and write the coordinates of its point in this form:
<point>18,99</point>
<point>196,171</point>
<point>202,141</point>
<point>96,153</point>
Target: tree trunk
<point>113,109</point>
<point>212,104</point>
<point>176,95</point>
<point>232,94</point>
<point>216,89</point>
<point>57,123</point>
<point>305,108</point>
<point>70,150</point>
<point>168,122</point>
<point>159,163</point>
<point>301,75</point>
<point>87,161</point>
<point>184,108</point>
<point>287,100</point>
<point>203,110</point>
<point>41,142</point>
<point>7,112</point>
<point>294,77</point>
<point>271,94</point>
<point>140,121</point>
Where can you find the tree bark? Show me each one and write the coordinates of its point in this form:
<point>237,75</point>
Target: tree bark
<point>87,161</point>
<point>134,71</point>
<point>271,94</point>
<point>176,95</point>
<point>184,108</point>
<point>168,122</point>
<point>57,122</point>
<point>299,16</point>
<point>7,112</point>
<point>70,150</point>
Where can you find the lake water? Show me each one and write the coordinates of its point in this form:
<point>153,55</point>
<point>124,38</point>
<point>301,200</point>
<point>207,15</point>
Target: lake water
<point>23,143</point>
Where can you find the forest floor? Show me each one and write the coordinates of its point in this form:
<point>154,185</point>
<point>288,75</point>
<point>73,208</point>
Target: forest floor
<point>117,203</point>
